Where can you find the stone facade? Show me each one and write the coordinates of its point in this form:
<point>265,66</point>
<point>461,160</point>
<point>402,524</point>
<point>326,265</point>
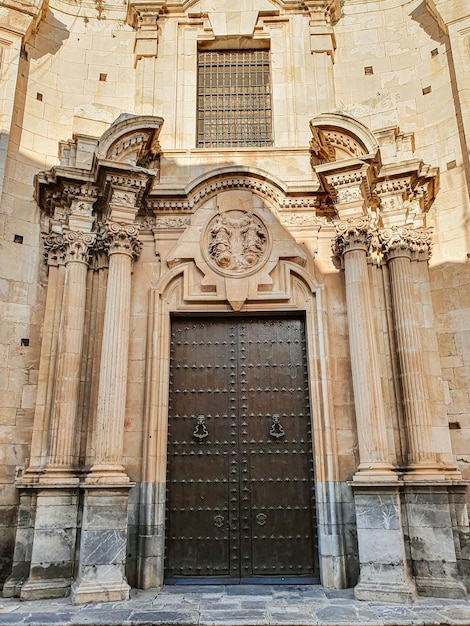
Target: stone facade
<point>113,221</point>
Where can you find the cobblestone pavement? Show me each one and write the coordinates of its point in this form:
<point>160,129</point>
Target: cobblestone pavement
<point>247,605</point>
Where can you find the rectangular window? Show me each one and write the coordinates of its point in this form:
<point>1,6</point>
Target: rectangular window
<point>234,98</point>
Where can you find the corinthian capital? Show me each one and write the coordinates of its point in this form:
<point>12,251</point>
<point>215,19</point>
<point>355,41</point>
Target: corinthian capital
<point>122,239</point>
<point>77,246</point>
<point>414,243</point>
<point>352,234</point>
<point>53,249</point>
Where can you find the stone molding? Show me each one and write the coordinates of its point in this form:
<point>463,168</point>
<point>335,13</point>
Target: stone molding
<point>346,157</point>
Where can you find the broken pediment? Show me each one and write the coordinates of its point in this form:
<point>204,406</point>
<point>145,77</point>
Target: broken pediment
<point>132,140</point>
<point>235,241</point>
<point>336,137</point>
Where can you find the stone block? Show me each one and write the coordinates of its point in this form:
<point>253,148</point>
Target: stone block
<point>103,547</point>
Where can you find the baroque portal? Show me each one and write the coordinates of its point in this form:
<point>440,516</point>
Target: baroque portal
<point>235,287</point>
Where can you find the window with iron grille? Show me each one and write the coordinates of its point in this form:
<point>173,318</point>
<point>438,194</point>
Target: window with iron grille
<point>234,98</point>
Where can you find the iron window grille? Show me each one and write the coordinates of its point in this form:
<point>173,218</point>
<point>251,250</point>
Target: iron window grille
<point>234,99</point>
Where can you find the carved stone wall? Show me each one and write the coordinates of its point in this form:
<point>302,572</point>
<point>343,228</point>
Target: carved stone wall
<point>357,218</point>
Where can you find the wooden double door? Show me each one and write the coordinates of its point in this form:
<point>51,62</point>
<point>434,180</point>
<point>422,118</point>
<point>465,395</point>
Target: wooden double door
<point>240,498</point>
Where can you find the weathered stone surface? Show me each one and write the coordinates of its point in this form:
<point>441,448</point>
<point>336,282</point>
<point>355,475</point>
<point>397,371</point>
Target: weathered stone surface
<point>114,217</point>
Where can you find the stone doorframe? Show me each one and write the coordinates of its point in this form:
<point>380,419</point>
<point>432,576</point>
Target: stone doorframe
<point>304,294</point>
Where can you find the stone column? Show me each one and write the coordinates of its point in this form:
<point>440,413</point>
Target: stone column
<point>427,496</point>
<point>55,526</point>
<point>352,245</point>
<point>383,561</point>
<point>104,528</point>
<point>400,245</point>
<point>60,461</point>
<point>123,247</point>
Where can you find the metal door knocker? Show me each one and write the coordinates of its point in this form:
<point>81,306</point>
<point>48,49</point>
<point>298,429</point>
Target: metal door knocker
<point>277,430</point>
<point>200,431</point>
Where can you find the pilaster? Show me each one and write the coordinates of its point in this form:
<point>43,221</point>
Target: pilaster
<point>55,526</point>
<point>101,575</point>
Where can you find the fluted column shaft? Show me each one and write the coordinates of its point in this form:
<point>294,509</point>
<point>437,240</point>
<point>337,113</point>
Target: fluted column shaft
<point>352,245</point>
<point>107,467</point>
<point>399,246</point>
<point>66,391</point>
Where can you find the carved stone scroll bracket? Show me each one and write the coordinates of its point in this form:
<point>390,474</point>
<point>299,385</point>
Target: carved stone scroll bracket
<point>143,17</point>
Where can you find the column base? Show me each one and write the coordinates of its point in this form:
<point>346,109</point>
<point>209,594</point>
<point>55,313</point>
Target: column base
<point>60,477</point>
<point>400,593</point>
<point>371,472</point>
<point>440,588</point>
<point>108,475</point>
<point>12,587</point>
<point>85,591</point>
<point>45,589</point>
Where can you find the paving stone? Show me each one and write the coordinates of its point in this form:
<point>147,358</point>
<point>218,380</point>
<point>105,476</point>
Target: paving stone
<point>338,614</point>
<point>237,606</point>
<point>164,617</point>
<point>289,618</point>
<point>249,590</point>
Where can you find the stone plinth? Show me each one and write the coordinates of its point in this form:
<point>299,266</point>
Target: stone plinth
<point>103,547</point>
<point>432,544</point>
<point>385,573</point>
<point>52,557</point>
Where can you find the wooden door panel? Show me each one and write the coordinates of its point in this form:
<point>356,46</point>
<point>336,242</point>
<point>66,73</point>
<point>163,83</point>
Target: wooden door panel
<point>199,450</point>
<point>240,497</point>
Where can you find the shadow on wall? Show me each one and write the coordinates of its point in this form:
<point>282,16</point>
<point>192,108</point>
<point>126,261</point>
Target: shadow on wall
<point>49,38</point>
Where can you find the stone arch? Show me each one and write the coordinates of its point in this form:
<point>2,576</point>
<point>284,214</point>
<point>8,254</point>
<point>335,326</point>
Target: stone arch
<point>306,296</point>
<point>346,136</point>
<point>128,137</point>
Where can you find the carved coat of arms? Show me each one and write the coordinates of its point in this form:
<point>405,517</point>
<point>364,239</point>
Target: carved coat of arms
<point>237,241</point>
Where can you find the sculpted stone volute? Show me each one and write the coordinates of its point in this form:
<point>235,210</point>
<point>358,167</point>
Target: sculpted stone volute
<point>405,241</point>
<point>121,238</point>
<point>352,234</point>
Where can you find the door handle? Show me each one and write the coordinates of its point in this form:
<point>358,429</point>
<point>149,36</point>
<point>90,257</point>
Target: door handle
<point>200,431</point>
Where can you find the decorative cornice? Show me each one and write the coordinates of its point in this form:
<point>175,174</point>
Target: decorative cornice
<point>414,243</point>
<point>209,189</point>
